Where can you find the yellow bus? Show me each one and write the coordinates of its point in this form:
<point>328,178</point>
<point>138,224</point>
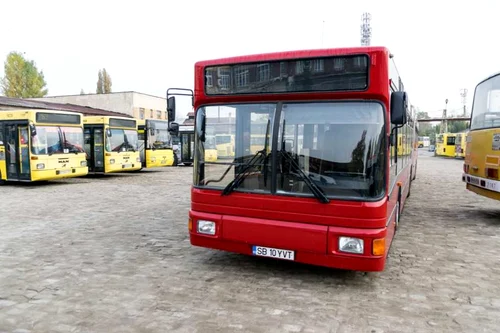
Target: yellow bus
<point>37,145</point>
<point>424,141</point>
<point>155,143</point>
<point>225,145</point>
<point>111,144</point>
<point>445,144</point>
<point>210,149</point>
<point>460,147</point>
<point>482,157</point>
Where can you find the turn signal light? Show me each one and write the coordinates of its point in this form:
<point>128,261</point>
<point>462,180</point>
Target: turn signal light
<point>378,247</point>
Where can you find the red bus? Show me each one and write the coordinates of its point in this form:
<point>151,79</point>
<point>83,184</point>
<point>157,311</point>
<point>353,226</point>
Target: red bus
<point>326,184</point>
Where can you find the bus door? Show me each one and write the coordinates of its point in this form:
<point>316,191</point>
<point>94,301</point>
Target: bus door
<point>142,140</point>
<point>17,151</point>
<point>187,147</point>
<point>94,147</point>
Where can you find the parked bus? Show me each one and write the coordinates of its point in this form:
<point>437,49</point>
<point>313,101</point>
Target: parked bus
<point>334,199</point>
<point>210,149</point>
<point>111,144</point>
<point>37,145</point>
<point>424,141</point>
<point>185,140</point>
<point>460,147</point>
<point>155,143</point>
<point>482,157</point>
<point>225,145</point>
<point>445,144</point>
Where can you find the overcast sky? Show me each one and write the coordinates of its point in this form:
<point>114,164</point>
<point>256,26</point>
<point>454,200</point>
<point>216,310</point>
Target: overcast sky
<point>440,47</point>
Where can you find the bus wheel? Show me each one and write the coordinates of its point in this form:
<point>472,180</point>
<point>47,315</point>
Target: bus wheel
<point>415,172</point>
<point>397,216</point>
<point>176,160</point>
<point>409,185</point>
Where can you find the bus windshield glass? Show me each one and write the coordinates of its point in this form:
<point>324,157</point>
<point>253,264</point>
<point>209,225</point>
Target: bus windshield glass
<point>486,106</point>
<point>57,140</point>
<point>161,138</point>
<point>339,147</point>
<point>122,140</point>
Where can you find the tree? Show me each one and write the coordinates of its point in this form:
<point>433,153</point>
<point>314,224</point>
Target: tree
<point>22,78</point>
<point>103,82</point>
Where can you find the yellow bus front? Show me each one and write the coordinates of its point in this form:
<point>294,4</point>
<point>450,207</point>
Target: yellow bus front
<point>41,145</point>
<point>159,158</point>
<point>122,148</point>
<point>56,152</point>
<point>482,155</point>
<point>225,145</point>
<point>158,151</point>
<point>211,154</point>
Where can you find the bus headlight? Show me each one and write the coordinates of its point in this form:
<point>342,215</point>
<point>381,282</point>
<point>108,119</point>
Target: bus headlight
<point>83,163</point>
<point>206,227</point>
<point>351,245</point>
<point>40,166</point>
<point>112,161</point>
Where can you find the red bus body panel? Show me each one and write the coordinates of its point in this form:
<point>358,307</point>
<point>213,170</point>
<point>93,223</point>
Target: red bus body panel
<point>304,225</point>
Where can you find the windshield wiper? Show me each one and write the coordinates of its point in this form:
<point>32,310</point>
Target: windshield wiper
<point>315,189</point>
<point>261,154</point>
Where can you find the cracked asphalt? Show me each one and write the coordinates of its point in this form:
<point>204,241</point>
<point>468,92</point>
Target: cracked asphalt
<point>112,254</point>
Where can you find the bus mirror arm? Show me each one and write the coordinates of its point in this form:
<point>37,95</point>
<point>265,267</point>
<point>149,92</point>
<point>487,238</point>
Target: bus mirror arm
<point>32,130</point>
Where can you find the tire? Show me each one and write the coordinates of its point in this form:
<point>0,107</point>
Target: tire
<point>176,160</point>
<point>398,207</point>
<point>409,185</point>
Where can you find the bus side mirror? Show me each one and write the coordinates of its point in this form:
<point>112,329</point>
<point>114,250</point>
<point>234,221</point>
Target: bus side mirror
<point>174,129</point>
<point>152,131</point>
<point>108,132</point>
<point>32,130</point>
<point>171,108</point>
<point>399,107</point>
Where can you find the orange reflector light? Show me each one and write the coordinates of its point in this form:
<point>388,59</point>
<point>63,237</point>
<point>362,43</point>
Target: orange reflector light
<point>400,184</point>
<point>34,158</point>
<point>378,247</point>
<point>190,224</point>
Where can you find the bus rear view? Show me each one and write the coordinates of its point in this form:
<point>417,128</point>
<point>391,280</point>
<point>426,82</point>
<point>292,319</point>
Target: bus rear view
<point>312,179</point>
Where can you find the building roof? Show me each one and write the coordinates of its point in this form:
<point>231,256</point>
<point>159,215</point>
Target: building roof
<point>110,93</point>
<point>34,104</point>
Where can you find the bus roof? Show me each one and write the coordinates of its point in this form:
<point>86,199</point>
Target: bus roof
<point>22,113</point>
<point>297,54</point>
<point>126,122</point>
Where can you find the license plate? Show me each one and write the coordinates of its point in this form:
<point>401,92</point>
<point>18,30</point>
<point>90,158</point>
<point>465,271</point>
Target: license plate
<point>273,253</point>
<point>163,162</point>
<point>63,172</point>
<point>127,165</point>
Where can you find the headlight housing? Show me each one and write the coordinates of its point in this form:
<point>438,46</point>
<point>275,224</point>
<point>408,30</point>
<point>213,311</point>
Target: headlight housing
<point>351,245</point>
<point>205,227</point>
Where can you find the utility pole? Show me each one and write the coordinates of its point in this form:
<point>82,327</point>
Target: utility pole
<point>444,122</point>
<point>366,30</point>
<point>463,94</point>
<point>322,33</point>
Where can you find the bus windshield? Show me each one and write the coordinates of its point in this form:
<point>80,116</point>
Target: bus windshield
<point>161,138</point>
<point>338,146</point>
<point>122,140</point>
<point>50,140</point>
<point>486,106</point>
